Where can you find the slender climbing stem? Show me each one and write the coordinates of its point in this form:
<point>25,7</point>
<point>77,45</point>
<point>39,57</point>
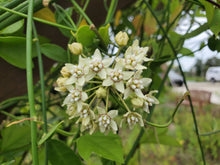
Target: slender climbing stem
<point>43,98</point>
<point>184,79</point>
<point>111,11</point>
<point>209,133</point>
<point>82,12</point>
<point>94,82</point>
<point>38,19</point>
<point>30,86</point>
<point>84,9</point>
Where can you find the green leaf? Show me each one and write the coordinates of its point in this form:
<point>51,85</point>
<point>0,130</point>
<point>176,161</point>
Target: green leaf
<point>215,24</point>
<point>60,154</point>
<point>13,27</point>
<point>109,147</point>
<point>13,50</point>
<point>214,44</point>
<point>54,52</point>
<point>15,139</point>
<point>186,52</point>
<point>196,32</point>
<point>209,10</point>
<point>60,17</point>
<point>49,134</point>
<point>159,137</point>
<point>85,36</point>
<point>104,32</point>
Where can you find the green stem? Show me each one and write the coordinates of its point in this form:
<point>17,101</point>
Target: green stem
<point>43,98</point>
<point>107,100</point>
<point>16,99</point>
<point>68,17</point>
<point>93,99</point>
<point>123,102</point>
<point>30,86</point>
<point>17,8</point>
<point>82,12</point>
<point>94,82</point>
<point>111,11</point>
<point>9,114</point>
<point>37,19</point>
<point>172,117</point>
<point>209,133</point>
<point>84,9</point>
<point>12,4</point>
<point>184,80</point>
<point>92,88</point>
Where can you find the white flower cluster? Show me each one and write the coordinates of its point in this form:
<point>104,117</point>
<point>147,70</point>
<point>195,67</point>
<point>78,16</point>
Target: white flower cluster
<point>120,77</point>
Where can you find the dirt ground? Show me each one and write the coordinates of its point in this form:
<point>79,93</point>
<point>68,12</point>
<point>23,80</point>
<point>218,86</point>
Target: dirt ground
<point>214,88</point>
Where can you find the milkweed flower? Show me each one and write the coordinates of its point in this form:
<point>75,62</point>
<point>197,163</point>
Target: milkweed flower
<point>105,120</point>
<point>116,77</point>
<point>78,72</point>
<point>149,100</point>
<point>98,66</point>
<point>136,84</point>
<point>132,118</point>
<point>75,96</point>
<point>134,57</point>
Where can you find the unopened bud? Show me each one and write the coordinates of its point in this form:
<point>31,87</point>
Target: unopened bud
<point>101,93</point>
<point>75,48</point>
<point>121,38</point>
<point>137,102</point>
<point>65,72</point>
<point>46,3</point>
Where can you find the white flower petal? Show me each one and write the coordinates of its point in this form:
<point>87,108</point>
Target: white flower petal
<point>127,92</point>
<point>97,55</point>
<point>107,62</point>
<point>84,96</point>
<point>102,74</point>
<point>81,81</point>
<point>146,107</point>
<point>139,93</point>
<point>120,86</point>
<point>70,80</point>
<point>127,75</point>
<point>101,110</point>
<point>138,74</point>
<point>90,75</point>
<point>86,120</point>
<point>140,67</point>
<point>147,59</point>
<point>102,128</point>
<point>107,82</point>
<point>66,100</point>
<point>114,125</point>
<point>119,65</point>
<point>79,106</point>
<point>146,81</point>
<point>113,113</point>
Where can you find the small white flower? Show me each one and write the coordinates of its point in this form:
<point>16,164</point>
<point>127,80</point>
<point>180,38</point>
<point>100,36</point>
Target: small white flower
<point>136,84</point>
<point>117,76</point>
<point>75,96</point>
<point>105,120</point>
<point>134,57</point>
<point>86,115</point>
<point>149,100</point>
<point>132,118</point>
<point>98,66</point>
<point>78,72</point>
<point>91,126</point>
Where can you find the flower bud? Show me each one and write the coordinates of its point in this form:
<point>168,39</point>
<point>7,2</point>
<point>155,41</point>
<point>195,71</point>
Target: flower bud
<point>101,93</point>
<point>75,48</point>
<point>60,84</point>
<point>121,38</point>
<point>137,102</point>
<point>65,72</point>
